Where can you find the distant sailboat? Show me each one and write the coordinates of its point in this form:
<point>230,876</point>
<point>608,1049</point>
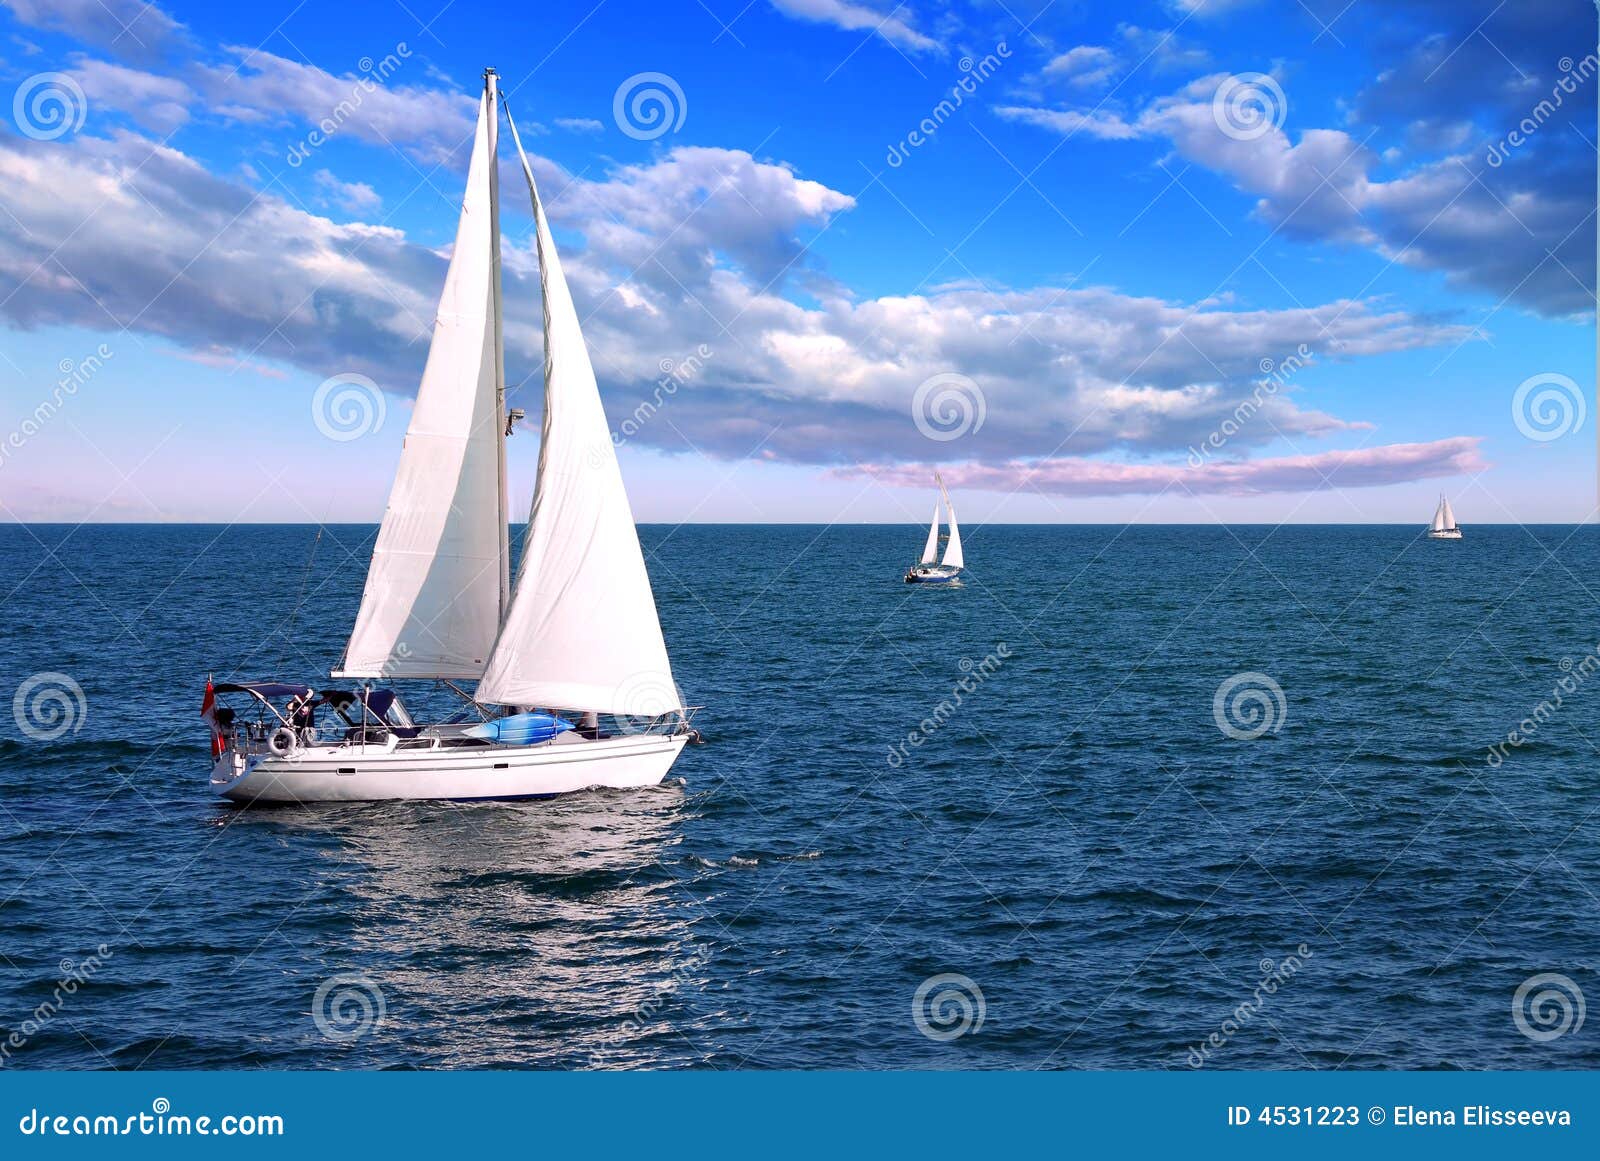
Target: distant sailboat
<point>575,631</point>
<point>925,571</point>
<point>1444,523</point>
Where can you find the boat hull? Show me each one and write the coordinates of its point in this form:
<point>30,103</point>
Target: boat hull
<point>1445,534</point>
<point>346,773</point>
<point>938,575</point>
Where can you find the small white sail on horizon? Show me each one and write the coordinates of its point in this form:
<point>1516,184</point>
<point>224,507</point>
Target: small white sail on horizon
<point>947,568</point>
<point>1444,525</point>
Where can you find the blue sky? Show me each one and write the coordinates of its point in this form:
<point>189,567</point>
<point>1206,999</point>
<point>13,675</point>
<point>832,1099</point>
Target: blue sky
<point>1129,212</point>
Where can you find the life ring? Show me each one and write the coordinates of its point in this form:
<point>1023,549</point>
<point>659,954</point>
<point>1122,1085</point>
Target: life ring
<point>282,742</point>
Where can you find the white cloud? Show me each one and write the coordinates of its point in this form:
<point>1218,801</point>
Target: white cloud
<point>149,99</point>
<point>434,125</point>
<point>356,196</point>
<point>1484,227</point>
<point>1084,66</point>
<point>893,23</point>
<point>130,28</point>
<point>697,247</point>
<point>1366,467</point>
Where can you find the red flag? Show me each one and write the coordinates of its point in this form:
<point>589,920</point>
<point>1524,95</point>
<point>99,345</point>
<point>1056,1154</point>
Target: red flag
<point>208,706</point>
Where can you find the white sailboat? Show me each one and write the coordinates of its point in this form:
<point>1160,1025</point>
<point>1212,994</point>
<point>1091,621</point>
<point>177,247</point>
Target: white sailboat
<point>1444,523</point>
<point>925,571</point>
<point>576,635</point>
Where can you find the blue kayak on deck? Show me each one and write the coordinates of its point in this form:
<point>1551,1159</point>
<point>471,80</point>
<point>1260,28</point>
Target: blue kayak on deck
<point>520,729</point>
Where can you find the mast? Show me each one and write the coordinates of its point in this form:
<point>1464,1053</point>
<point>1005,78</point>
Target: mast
<point>436,586</point>
<point>491,86</point>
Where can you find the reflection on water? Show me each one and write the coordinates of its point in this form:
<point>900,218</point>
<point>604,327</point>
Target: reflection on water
<point>552,934</point>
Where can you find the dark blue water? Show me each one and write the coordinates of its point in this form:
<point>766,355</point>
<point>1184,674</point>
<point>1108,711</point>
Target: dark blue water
<point>1077,838</point>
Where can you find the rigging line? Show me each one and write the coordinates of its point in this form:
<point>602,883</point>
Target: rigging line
<point>300,598</point>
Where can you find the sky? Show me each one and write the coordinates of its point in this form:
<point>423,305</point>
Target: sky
<point>1158,261</point>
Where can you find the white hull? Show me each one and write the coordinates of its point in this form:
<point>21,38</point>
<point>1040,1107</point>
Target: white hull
<point>1445,534</point>
<point>355,773</point>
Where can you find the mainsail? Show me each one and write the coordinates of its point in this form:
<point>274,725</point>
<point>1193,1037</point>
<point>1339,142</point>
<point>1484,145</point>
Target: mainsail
<point>582,631</point>
<point>439,578</point>
<point>1449,513</point>
<point>952,548</point>
<point>930,550</point>
<point>1441,518</point>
